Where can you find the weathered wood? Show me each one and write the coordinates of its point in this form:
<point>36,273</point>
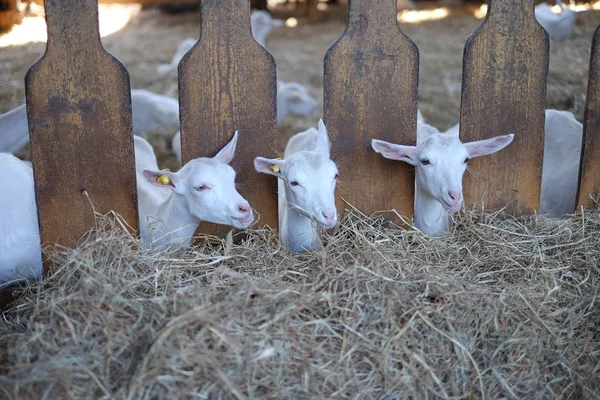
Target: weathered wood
<point>371,79</point>
<point>79,112</point>
<point>227,82</point>
<point>504,90</point>
<point>590,160</point>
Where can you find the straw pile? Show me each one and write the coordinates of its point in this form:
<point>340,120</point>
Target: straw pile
<point>498,308</point>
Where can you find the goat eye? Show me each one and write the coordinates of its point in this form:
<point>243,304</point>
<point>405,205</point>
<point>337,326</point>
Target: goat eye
<point>201,188</point>
<point>425,161</point>
<point>466,160</point>
<point>294,183</point>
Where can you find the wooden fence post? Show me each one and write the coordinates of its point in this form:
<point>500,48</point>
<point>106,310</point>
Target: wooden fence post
<point>227,82</point>
<point>590,159</point>
<point>371,79</point>
<point>79,113</point>
<point>504,91</point>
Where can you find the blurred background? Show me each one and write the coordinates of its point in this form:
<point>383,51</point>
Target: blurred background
<point>146,33</point>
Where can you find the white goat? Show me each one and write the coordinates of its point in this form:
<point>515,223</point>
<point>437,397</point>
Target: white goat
<point>558,26</point>
<point>560,172</point>
<point>292,98</point>
<point>306,185</point>
<point>153,112</point>
<point>261,24</point>
<point>562,154</point>
<point>203,190</point>
<point>20,248</point>
<point>150,111</point>
<point>440,160</point>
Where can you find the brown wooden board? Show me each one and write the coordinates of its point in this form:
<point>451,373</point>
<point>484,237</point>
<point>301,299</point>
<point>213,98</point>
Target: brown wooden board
<point>227,82</point>
<point>504,91</point>
<point>590,160</point>
<point>371,79</point>
<point>79,113</point>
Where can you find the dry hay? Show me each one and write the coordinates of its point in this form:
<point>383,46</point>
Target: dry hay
<point>498,308</point>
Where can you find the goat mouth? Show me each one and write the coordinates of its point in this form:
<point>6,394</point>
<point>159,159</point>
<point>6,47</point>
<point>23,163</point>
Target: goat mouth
<point>451,208</point>
<point>243,222</point>
<point>328,225</point>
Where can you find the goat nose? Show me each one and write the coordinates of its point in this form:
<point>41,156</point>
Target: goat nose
<point>328,215</point>
<point>454,195</point>
<point>244,208</point>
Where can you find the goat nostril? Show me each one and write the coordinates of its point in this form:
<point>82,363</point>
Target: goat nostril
<point>244,209</point>
<point>327,215</point>
<point>454,195</point>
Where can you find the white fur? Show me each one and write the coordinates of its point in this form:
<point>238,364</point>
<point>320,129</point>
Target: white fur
<point>150,111</point>
<point>558,26</point>
<point>203,190</point>
<point>308,207</point>
<point>144,155</point>
<point>14,130</point>
<point>292,98</point>
<point>440,160</point>
<point>169,214</point>
<point>153,112</point>
<point>261,23</point>
<point>562,153</point>
<point>560,172</point>
<point>20,248</point>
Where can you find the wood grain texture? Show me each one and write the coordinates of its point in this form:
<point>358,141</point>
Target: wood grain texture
<point>371,80</point>
<point>590,160</point>
<point>227,82</point>
<point>79,113</point>
<point>504,91</point>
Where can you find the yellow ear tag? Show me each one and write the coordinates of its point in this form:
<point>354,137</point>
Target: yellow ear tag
<point>164,179</point>
<point>274,167</point>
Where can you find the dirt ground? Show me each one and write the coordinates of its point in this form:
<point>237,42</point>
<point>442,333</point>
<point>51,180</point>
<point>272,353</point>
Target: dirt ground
<point>151,37</point>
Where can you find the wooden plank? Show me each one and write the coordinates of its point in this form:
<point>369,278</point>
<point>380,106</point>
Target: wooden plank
<point>79,113</point>
<point>504,90</point>
<point>227,82</point>
<point>590,160</point>
<point>371,79</point>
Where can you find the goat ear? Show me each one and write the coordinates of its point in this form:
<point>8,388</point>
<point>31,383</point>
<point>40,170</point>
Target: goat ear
<point>489,146</point>
<point>226,153</point>
<point>322,145</point>
<point>165,179</point>
<point>269,166</point>
<point>393,151</point>
<point>454,131</point>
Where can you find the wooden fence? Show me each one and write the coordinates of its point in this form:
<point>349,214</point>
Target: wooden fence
<point>79,110</point>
